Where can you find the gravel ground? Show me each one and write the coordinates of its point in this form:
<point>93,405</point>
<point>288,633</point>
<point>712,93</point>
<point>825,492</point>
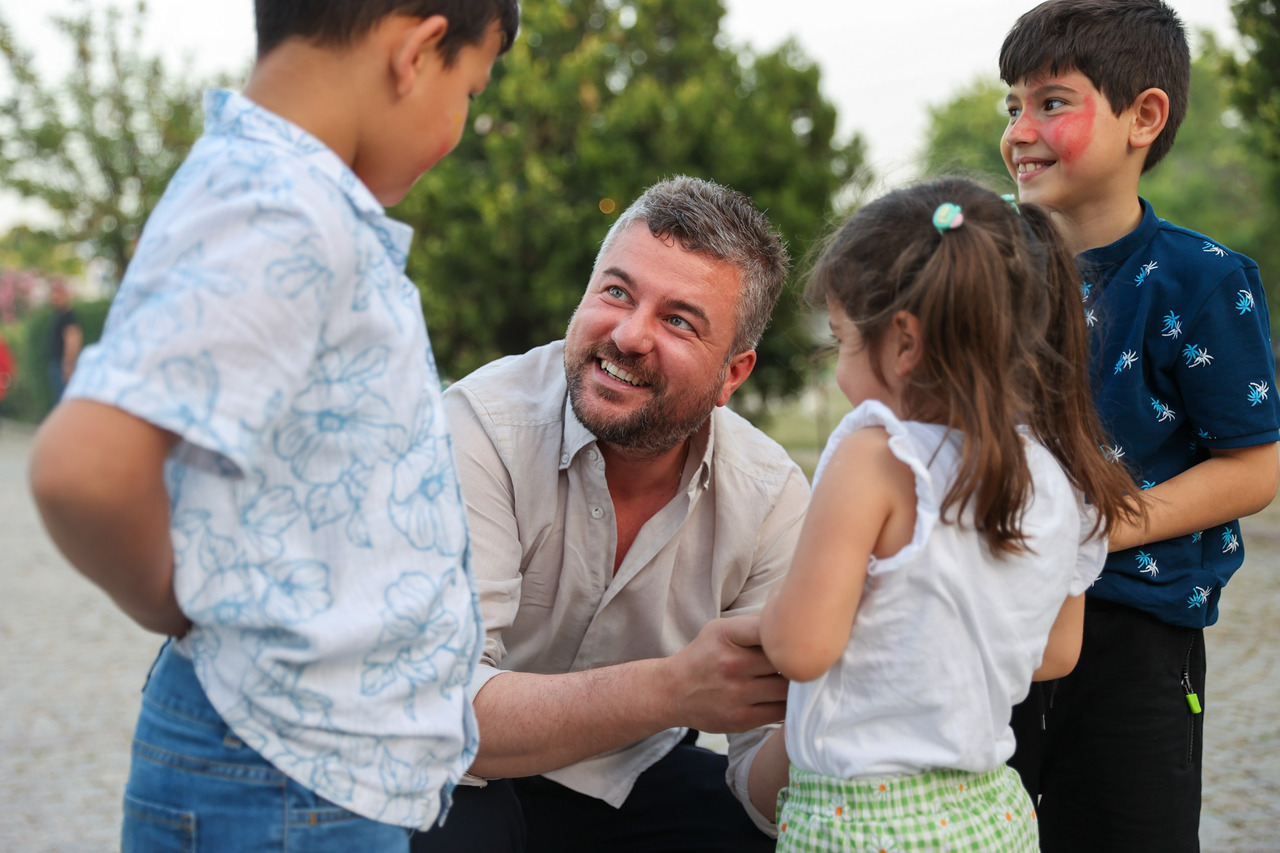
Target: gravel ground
<point>73,666</point>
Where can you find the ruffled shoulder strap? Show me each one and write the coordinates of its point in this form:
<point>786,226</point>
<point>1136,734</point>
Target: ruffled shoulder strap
<point>913,444</point>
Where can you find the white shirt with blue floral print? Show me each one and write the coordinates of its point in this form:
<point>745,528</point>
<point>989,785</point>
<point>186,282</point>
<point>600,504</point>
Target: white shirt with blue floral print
<point>318,528</point>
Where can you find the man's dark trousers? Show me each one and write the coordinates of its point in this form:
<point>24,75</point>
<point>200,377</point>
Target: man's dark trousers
<point>679,804</point>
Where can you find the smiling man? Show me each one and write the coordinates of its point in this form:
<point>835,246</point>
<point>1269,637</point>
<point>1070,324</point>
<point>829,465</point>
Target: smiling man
<point>626,530</point>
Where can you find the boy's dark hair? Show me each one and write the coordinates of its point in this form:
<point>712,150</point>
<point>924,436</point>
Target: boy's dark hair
<point>1003,341</point>
<point>1124,47</point>
<point>340,22</point>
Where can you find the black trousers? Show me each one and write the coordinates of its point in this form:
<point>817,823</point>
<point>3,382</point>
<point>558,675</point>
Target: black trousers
<point>1112,752</point>
<point>679,804</point>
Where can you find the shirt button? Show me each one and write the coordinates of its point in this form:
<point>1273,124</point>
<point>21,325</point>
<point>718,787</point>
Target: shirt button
<point>564,459</point>
<point>597,512</point>
<point>593,455</point>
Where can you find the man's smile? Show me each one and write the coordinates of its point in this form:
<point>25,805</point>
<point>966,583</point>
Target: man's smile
<point>620,373</point>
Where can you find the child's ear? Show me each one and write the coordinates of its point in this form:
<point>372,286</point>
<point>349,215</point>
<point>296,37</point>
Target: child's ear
<point>906,342</point>
<point>413,44</point>
<point>1150,112</point>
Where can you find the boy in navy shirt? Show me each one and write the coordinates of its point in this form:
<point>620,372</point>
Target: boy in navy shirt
<point>1184,379</point>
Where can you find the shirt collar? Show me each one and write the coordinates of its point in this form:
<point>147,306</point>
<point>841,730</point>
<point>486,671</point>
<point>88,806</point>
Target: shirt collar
<point>230,114</point>
<point>575,438</point>
<point>1120,250</point>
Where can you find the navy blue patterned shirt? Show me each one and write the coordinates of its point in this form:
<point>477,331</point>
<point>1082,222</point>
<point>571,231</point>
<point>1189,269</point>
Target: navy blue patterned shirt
<point>1181,362</point>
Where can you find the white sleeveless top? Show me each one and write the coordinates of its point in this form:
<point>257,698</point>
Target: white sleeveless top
<point>947,635</point>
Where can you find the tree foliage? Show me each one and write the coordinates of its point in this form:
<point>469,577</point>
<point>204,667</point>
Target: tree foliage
<point>1213,181</point>
<point>26,248</point>
<point>963,136</point>
<point>1256,77</point>
<point>99,147</point>
<point>597,100</point>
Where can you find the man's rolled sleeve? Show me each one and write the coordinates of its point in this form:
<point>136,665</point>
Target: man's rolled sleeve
<point>495,541</point>
<point>776,545</point>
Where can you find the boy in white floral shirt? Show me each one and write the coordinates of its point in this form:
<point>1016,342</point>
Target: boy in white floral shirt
<point>254,459</point>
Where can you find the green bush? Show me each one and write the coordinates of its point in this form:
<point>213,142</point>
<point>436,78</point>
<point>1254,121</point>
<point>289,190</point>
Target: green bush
<point>31,398</point>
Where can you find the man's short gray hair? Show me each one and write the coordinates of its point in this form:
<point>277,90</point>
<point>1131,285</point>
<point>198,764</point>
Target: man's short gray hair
<point>723,224</point>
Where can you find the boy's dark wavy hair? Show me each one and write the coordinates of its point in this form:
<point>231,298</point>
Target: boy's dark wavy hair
<point>340,22</point>
<point>1124,47</point>
<point>1003,341</point>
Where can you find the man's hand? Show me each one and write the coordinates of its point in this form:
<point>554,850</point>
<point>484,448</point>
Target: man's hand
<point>722,680</point>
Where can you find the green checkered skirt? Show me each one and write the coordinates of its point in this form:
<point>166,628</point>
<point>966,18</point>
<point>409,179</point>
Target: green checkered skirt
<point>943,810</point>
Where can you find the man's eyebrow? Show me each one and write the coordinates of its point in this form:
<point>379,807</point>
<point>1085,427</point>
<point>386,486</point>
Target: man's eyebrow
<point>690,308</point>
<point>675,304</point>
<point>618,272</point>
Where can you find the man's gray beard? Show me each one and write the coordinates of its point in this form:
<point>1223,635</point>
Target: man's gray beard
<point>644,433</point>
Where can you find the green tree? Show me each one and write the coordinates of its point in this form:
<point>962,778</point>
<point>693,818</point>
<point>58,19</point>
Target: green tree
<point>25,248</point>
<point>963,136</point>
<point>597,100</point>
<point>1213,181</point>
<point>99,147</point>
<point>1256,77</point>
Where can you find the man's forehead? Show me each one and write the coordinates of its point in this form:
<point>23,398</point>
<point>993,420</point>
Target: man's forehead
<point>635,248</point>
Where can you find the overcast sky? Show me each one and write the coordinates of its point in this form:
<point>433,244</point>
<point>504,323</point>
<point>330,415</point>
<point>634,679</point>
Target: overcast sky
<point>883,63</point>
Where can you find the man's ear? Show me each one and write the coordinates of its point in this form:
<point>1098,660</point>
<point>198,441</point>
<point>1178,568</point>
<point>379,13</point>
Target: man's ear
<point>418,40</point>
<point>1150,112</point>
<point>740,367</point>
<point>906,344</point>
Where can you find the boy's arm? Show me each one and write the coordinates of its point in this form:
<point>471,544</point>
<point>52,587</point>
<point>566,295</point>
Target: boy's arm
<point>97,474</point>
<point>1231,484</point>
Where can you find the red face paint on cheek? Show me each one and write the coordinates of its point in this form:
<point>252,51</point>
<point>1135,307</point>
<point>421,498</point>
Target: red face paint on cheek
<point>1070,134</point>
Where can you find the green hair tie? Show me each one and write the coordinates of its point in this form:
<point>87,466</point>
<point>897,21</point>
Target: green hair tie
<point>947,217</point>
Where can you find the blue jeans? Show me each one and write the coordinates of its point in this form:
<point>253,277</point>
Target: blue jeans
<point>194,786</point>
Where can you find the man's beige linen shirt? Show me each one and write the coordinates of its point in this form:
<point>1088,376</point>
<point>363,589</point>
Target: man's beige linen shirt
<point>543,538</point>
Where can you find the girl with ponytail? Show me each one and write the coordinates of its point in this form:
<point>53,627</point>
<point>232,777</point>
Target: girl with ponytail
<point>959,513</point>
